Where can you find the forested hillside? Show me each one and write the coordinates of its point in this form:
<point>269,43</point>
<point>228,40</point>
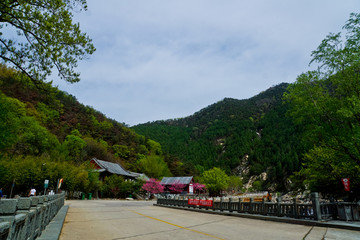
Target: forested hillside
<point>303,135</point>
<point>47,134</point>
<point>244,137</point>
<point>310,131</point>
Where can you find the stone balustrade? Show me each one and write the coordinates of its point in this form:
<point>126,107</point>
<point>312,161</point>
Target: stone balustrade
<point>26,218</point>
<point>315,210</point>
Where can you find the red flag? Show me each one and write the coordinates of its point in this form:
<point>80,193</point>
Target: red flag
<point>346,183</point>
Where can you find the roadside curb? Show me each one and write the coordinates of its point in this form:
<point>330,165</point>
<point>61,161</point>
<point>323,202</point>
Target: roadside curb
<point>53,230</point>
<point>345,225</point>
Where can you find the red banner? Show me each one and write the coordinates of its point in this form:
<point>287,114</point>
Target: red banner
<point>205,203</point>
<point>193,201</point>
<point>346,183</point>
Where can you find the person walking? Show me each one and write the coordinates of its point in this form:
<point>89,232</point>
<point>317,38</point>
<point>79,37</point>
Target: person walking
<point>1,193</point>
<point>32,192</point>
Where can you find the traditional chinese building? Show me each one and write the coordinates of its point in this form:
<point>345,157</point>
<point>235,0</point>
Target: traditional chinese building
<point>108,168</point>
<point>167,182</point>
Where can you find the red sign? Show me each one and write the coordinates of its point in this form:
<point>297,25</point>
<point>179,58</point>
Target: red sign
<point>193,201</point>
<point>346,183</point>
<point>205,203</point>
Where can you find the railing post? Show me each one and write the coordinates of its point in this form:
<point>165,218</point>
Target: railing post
<point>295,206</point>
<point>221,204</point>
<point>334,209</point>
<point>278,204</point>
<point>8,212</point>
<point>23,207</point>
<point>239,205</point>
<point>316,205</point>
<point>229,203</point>
<point>251,205</point>
<point>4,230</point>
<point>41,209</point>
<point>263,207</point>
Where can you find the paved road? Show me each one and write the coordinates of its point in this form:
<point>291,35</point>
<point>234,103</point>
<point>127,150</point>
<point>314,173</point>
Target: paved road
<point>114,219</point>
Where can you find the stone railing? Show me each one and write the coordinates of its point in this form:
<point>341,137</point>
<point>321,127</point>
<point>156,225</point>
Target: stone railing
<point>315,210</point>
<point>26,218</point>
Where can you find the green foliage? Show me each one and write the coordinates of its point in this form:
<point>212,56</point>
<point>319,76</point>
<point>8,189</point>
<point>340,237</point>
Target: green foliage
<point>11,110</point>
<point>97,149</point>
<point>31,171</point>
<point>48,115</point>
<point>121,151</point>
<point>233,134</point>
<point>257,186</point>
<point>154,166</point>
<point>40,124</point>
<point>154,147</point>
<point>74,146</point>
<point>235,184</point>
<point>112,185</point>
<point>116,187</point>
<point>46,37</point>
<point>325,104</point>
<point>215,180</point>
<point>34,139</point>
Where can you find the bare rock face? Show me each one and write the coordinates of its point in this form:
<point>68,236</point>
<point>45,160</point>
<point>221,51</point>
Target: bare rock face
<point>243,169</point>
<point>262,177</point>
<point>249,184</point>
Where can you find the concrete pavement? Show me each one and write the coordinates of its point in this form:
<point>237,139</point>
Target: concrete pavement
<point>349,225</point>
<point>114,219</point>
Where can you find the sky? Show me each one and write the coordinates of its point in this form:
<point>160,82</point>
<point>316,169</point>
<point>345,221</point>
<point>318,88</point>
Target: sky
<point>166,59</point>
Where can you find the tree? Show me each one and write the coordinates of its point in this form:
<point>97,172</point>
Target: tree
<point>326,105</point>
<point>235,184</point>
<point>153,186</point>
<point>46,37</point>
<point>199,188</point>
<point>177,187</point>
<point>154,166</point>
<point>215,180</point>
<point>112,185</point>
<point>74,146</point>
<point>11,110</point>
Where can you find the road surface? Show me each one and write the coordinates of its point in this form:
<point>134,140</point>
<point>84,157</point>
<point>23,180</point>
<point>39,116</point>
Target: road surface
<point>114,219</point>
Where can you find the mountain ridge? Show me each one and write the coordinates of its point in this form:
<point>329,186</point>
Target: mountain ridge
<point>234,134</point>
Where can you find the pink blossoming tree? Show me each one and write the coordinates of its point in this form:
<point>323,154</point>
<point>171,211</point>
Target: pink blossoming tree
<point>177,187</point>
<point>199,188</point>
<point>153,186</point>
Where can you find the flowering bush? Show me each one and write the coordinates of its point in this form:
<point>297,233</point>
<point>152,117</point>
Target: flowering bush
<point>177,187</point>
<point>199,188</point>
<point>153,186</point>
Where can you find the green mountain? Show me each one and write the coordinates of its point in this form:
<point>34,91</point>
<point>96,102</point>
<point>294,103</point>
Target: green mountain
<point>43,126</point>
<point>46,133</point>
<point>244,137</point>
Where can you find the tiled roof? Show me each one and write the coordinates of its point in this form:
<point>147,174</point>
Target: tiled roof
<point>178,180</point>
<point>114,168</point>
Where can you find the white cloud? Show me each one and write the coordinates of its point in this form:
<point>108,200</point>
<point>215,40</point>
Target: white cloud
<point>163,59</point>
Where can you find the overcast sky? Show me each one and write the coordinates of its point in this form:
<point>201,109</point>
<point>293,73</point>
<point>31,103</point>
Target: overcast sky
<point>165,59</point>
